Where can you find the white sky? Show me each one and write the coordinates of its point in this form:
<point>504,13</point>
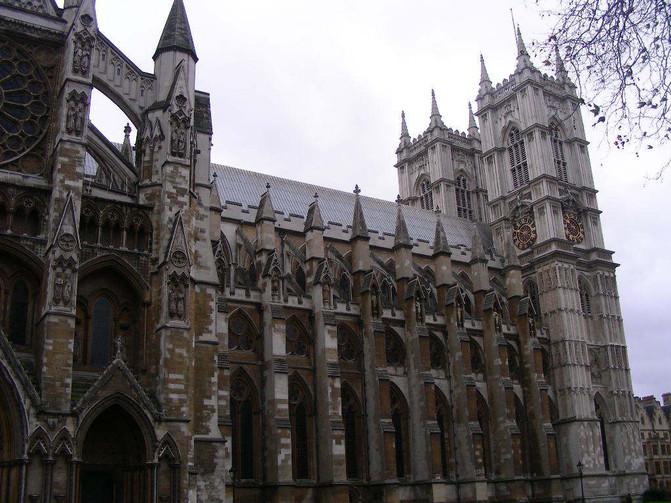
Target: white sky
<point>312,90</point>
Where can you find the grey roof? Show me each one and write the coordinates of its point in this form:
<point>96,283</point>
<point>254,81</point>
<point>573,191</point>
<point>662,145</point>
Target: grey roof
<point>243,188</point>
<point>176,32</point>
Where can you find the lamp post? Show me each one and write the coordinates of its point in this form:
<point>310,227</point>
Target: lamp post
<point>582,489</point>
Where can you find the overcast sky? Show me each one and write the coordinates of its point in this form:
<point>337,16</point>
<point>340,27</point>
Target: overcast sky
<point>313,90</point>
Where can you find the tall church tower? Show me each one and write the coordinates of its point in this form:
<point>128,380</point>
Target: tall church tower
<point>440,168</point>
<point>537,175</point>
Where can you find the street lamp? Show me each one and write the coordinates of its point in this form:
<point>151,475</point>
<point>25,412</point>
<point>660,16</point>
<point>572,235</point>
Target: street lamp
<point>582,489</point>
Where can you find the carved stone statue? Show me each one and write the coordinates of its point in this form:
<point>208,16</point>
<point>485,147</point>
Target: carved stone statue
<point>76,113</point>
<point>375,304</point>
<point>275,288</point>
<point>178,139</point>
<point>81,58</point>
<point>176,300</point>
<point>498,323</point>
<point>460,314</point>
<point>58,288</point>
<point>326,295</point>
<point>419,310</point>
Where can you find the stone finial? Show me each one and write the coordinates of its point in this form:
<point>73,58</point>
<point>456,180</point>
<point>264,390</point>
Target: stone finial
<point>485,82</point>
<point>265,210</point>
<point>401,235</point>
<point>440,244</point>
<point>120,350</point>
<point>523,59</point>
<point>359,227</point>
<point>477,248</point>
<point>176,35</point>
<point>313,220</point>
<point>472,124</point>
<point>126,147</point>
<point>436,118</point>
<point>560,69</point>
<point>405,136</point>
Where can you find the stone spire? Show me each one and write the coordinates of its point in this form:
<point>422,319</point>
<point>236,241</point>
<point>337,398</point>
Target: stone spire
<point>436,119</point>
<point>405,136</point>
<point>523,59</point>
<point>402,237</point>
<point>313,220</point>
<point>176,34</point>
<point>472,125</point>
<point>440,244</point>
<point>265,210</point>
<point>485,83</point>
<point>359,227</point>
<point>560,69</point>
<point>126,147</point>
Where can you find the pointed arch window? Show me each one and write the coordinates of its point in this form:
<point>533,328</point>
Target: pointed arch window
<point>558,153</point>
<point>463,195</point>
<point>102,327</point>
<point>399,418</point>
<point>394,349</point>
<point>245,419</point>
<point>425,194</point>
<point>300,414</point>
<point>585,297</point>
<point>298,342</point>
<point>349,344</point>
<point>345,288</point>
<point>353,420</point>
<point>517,153</point>
<point>18,314</point>
<point>241,334</point>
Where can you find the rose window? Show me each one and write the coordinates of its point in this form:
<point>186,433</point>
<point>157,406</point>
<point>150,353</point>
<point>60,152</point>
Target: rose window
<point>24,102</point>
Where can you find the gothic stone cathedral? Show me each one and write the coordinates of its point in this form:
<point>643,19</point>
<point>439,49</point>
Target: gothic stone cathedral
<point>175,330</point>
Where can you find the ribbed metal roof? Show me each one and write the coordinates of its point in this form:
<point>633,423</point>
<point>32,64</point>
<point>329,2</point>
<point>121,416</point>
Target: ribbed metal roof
<point>292,198</point>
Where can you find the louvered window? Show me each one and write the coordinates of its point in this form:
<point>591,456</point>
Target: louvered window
<point>519,166</point>
<point>464,207</point>
<point>558,154</point>
<point>426,195</point>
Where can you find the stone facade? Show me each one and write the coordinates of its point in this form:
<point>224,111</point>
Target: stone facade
<point>175,330</point>
<point>656,439</point>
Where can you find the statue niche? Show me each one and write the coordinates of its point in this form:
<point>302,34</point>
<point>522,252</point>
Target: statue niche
<point>180,123</point>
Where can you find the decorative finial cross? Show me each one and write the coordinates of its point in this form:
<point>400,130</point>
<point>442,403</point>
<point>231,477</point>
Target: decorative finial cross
<point>316,196</point>
<point>357,190</point>
<point>118,342</point>
<point>437,210</point>
<point>398,199</point>
<point>127,130</point>
<point>267,185</point>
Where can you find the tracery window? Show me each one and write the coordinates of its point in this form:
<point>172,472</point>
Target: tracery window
<point>300,415</point>
<point>399,418</point>
<point>463,195</point>
<point>245,419</point>
<point>436,353</point>
<point>298,341</point>
<point>241,334</point>
<point>353,420</point>
<point>388,295</point>
<point>349,344</point>
<point>27,219</point>
<point>585,298</point>
<point>517,154</point>
<point>102,329</point>
<point>18,314</point>
<point>558,153</point>
<point>426,194</point>
<point>394,349</point>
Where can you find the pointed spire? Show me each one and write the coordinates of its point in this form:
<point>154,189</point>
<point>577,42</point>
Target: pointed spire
<point>265,210</point>
<point>402,237</point>
<point>485,83</point>
<point>436,119</point>
<point>472,125</point>
<point>126,147</point>
<point>359,227</point>
<point>560,69</point>
<point>510,254</point>
<point>440,244</point>
<point>523,59</point>
<point>405,136</point>
<point>477,248</point>
<point>313,220</point>
<point>176,34</point>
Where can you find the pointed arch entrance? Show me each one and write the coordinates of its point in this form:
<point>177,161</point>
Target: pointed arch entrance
<point>12,433</point>
<point>114,459</point>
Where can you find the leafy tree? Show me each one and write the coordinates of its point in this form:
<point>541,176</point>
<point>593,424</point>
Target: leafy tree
<point>618,53</point>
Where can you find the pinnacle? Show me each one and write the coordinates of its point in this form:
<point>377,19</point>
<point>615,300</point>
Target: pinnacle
<point>313,220</point>
<point>477,248</point>
<point>176,34</point>
<point>404,126</point>
<point>484,76</point>
<point>523,59</point>
<point>359,227</point>
<point>440,244</point>
<point>436,119</point>
<point>265,211</point>
<point>402,237</point>
<point>472,125</point>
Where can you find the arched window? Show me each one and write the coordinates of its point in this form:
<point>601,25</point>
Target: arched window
<point>436,353</point>
<point>18,314</point>
<point>353,420</point>
<point>299,274</point>
<point>477,365</point>
<point>388,295</point>
<point>241,334</point>
<point>585,298</point>
<point>604,439</point>
<point>517,153</point>
<point>558,153</point>
<point>426,194</point>
<point>111,233</point>
<point>399,418</point>
<point>463,194</point>
<point>26,219</point>
<point>514,370</point>
<point>88,228</point>
<point>442,418</point>
<point>394,349</point>
<point>245,418</point>
<point>345,288</point>
<point>349,344</point>
<point>300,414</point>
<point>102,328</point>
<point>298,342</point>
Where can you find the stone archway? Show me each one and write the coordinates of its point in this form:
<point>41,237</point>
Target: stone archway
<point>114,465</point>
<point>11,437</point>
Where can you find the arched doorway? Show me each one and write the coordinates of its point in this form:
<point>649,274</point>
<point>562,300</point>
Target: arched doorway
<point>114,465</point>
<point>11,435</point>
